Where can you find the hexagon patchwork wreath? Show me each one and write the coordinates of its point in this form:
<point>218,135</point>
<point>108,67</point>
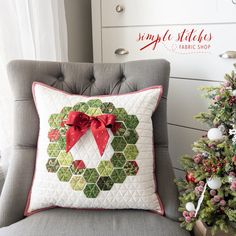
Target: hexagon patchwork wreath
<point>108,172</point>
<point>119,177</point>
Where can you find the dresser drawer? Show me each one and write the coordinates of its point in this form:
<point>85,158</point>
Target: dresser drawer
<point>201,61</point>
<point>156,12</point>
<point>180,142</point>
<point>185,101</point>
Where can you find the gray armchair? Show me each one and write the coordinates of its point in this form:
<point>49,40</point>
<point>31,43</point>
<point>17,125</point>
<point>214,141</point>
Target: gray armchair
<point>87,79</point>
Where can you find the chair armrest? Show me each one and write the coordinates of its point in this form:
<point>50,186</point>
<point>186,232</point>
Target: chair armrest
<point>17,185</point>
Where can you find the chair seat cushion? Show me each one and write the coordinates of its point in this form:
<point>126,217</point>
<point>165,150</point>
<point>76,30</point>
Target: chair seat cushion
<point>71,222</point>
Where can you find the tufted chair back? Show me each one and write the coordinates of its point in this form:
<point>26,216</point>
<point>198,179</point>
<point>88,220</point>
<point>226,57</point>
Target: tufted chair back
<point>85,79</point>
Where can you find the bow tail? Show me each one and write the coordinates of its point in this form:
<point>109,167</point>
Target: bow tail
<point>101,137</point>
<point>73,134</point>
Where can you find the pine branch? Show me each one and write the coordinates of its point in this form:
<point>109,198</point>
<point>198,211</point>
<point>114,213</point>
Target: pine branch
<point>212,159</point>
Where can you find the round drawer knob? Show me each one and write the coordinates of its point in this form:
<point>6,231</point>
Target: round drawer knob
<point>228,55</point>
<point>119,8</point>
<point>234,1</point>
<point>121,51</point>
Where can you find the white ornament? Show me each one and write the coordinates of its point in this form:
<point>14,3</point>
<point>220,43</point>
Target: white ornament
<point>190,206</point>
<point>214,183</point>
<point>234,92</point>
<point>214,134</point>
<point>231,179</point>
<point>232,131</point>
<point>234,139</point>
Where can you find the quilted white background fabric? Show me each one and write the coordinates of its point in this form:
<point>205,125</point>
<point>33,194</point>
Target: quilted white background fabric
<point>137,191</point>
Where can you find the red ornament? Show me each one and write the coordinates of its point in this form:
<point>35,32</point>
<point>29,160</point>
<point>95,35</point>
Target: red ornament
<point>190,177</point>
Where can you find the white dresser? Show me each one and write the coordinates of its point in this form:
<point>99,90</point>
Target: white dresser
<point>190,34</point>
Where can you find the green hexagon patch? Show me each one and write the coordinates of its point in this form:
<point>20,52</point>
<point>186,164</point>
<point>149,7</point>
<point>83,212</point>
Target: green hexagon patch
<point>91,191</point>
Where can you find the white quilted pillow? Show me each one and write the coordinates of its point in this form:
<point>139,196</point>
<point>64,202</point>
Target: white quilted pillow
<point>122,177</point>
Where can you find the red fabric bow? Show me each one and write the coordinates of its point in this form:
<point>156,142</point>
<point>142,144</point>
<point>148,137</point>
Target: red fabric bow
<point>80,123</point>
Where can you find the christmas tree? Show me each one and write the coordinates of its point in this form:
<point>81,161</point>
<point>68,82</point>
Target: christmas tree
<point>208,193</point>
